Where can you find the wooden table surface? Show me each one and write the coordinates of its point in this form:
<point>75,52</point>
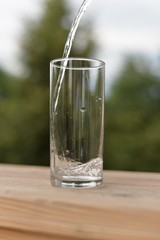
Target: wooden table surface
<point>125,207</point>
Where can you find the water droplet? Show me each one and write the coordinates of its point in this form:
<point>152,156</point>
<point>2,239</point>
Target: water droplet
<point>83,109</point>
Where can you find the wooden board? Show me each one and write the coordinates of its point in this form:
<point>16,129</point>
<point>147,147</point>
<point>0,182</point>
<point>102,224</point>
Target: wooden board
<point>125,207</point>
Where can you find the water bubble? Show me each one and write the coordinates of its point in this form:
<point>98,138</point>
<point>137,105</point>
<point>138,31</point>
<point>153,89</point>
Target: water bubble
<point>67,152</point>
<point>98,99</point>
<point>83,109</point>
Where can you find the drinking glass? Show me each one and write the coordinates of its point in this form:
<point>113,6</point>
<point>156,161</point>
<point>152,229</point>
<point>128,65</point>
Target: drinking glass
<point>76,122</point>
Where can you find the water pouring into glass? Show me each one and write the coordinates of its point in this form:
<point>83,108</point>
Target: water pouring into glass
<point>76,117</point>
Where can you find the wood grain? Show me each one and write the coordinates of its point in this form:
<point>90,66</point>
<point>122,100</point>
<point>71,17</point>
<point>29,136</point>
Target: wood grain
<point>126,207</point>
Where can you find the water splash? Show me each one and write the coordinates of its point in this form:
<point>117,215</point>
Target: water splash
<point>72,168</point>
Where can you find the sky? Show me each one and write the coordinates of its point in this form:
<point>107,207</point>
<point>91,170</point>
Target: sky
<point>121,28</point>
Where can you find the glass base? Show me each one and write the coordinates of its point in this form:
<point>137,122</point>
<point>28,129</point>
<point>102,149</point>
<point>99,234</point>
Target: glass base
<point>82,182</point>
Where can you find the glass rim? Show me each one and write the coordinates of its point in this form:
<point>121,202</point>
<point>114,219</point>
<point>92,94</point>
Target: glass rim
<point>54,63</point>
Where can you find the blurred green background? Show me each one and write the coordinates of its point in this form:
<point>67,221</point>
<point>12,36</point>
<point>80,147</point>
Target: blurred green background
<point>132,106</point>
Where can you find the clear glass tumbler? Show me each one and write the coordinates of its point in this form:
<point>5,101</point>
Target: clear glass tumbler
<point>76,122</point>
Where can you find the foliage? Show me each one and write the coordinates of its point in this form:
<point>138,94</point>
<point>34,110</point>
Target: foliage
<point>45,38</point>
<point>24,123</point>
<point>132,139</point>
<point>132,116</point>
<point>18,137</point>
